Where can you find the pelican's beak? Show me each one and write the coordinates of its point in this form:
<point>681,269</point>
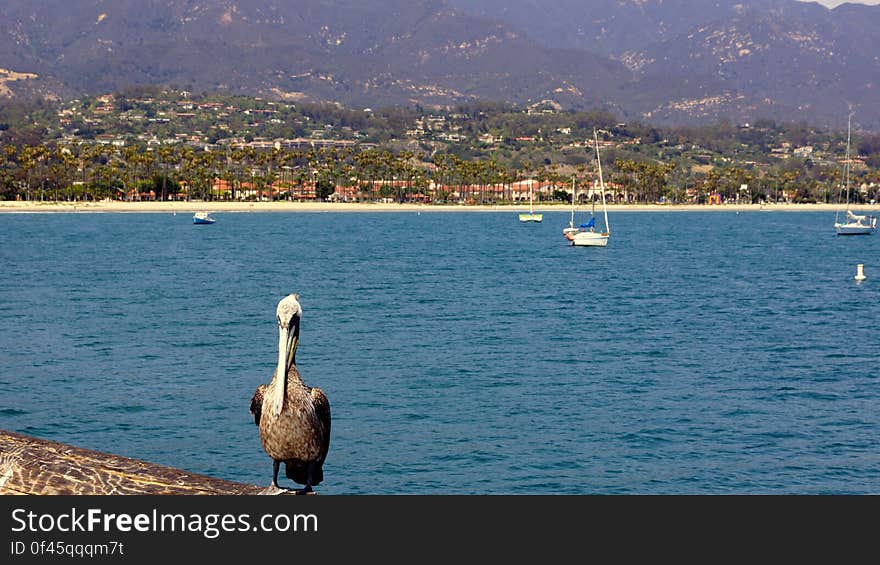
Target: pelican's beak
<point>281,370</point>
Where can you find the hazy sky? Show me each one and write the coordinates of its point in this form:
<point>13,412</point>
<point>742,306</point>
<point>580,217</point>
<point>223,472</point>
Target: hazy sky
<point>832,3</point>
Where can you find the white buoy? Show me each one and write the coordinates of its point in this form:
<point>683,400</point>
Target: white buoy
<point>860,272</point>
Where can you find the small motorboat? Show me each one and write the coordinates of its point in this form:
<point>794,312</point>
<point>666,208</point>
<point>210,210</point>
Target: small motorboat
<point>203,218</point>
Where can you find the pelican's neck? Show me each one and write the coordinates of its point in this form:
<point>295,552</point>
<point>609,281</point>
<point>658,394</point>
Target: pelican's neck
<point>288,340</point>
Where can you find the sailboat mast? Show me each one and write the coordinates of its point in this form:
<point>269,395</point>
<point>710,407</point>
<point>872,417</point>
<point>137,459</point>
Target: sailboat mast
<point>846,164</point>
<point>531,207</point>
<point>601,182</point>
<point>573,188</point>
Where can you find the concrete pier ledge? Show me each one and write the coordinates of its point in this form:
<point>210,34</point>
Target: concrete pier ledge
<point>30,465</point>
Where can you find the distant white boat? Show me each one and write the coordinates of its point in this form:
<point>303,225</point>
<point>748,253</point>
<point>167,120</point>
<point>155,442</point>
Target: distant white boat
<point>856,224</point>
<point>586,234</point>
<point>531,216</point>
<point>852,223</point>
<point>203,218</point>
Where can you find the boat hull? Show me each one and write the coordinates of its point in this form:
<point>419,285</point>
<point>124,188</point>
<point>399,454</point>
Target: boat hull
<point>853,229</point>
<point>588,239</point>
<point>858,225</point>
<point>531,217</point>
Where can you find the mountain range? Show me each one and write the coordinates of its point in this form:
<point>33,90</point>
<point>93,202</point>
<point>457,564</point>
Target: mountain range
<point>658,61</point>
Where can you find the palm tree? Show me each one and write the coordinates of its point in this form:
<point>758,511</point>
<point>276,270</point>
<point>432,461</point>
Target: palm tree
<point>441,175</point>
<point>63,168</point>
<point>166,157</point>
<point>27,161</point>
<point>7,169</point>
<point>209,161</point>
<point>189,167</point>
<point>241,158</point>
<point>128,160</point>
<point>366,166</point>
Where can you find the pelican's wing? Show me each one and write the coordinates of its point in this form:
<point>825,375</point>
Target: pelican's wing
<point>322,409</point>
<point>257,403</point>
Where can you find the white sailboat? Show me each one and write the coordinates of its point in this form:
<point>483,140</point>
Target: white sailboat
<point>531,216</point>
<point>852,224</point>
<point>586,235</point>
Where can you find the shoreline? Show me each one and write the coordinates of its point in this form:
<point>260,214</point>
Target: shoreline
<point>284,206</point>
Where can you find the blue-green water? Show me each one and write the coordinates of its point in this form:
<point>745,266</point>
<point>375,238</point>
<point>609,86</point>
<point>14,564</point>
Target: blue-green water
<point>700,352</point>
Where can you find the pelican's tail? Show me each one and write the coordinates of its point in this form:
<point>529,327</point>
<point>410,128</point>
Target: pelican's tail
<point>298,472</point>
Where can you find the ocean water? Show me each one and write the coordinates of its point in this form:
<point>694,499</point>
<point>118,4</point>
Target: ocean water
<point>463,353</point>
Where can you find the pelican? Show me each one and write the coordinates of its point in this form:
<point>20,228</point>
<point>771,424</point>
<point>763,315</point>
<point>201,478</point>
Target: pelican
<point>294,418</point>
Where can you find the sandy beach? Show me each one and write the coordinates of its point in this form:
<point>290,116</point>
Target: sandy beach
<point>193,206</point>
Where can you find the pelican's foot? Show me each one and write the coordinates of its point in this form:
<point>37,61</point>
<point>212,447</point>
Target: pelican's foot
<point>273,490</point>
<point>305,490</point>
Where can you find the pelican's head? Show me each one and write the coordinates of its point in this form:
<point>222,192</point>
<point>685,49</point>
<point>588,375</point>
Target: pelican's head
<point>288,311</point>
<point>288,314</point>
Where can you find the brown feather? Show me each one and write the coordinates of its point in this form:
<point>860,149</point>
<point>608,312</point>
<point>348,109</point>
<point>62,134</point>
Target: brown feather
<point>257,403</point>
<point>322,409</point>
